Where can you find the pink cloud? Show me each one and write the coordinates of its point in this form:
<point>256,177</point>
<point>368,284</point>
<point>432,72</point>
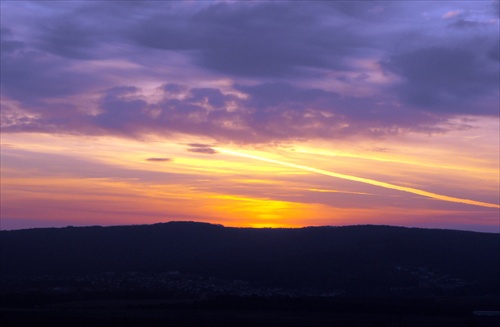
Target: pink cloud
<point>453,13</point>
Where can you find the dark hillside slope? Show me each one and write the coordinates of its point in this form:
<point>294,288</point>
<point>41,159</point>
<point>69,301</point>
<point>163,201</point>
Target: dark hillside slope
<point>358,258</point>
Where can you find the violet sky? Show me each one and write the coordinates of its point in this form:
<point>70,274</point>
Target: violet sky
<point>113,111</point>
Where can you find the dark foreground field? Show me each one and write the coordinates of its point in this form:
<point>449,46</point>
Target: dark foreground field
<point>248,312</point>
<point>191,274</point>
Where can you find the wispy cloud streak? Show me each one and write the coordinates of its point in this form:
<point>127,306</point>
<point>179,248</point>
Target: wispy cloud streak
<point>363,180</point>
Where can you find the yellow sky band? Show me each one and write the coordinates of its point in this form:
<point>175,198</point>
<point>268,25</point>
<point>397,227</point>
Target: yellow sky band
<point>363,180</point>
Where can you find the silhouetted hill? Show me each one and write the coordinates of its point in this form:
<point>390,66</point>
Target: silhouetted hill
<point>359,259</point>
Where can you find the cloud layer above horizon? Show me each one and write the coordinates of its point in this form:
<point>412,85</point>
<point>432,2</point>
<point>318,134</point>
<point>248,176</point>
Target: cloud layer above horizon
<point>248,72</point>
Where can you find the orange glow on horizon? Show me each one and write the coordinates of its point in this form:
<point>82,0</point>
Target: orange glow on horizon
<point>111,182</point>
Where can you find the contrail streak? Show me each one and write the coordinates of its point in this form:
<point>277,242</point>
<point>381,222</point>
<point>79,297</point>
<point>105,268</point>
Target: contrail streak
<point>363,180</point>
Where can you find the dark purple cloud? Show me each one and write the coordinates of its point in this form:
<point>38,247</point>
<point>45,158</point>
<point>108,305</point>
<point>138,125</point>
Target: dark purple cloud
<point>31,76</point>
<point>199,145</point>
<point>159,159</point>
<point>465,23</point>
<point>439,78</point>
<point>292,70</point>
<point>268,112</point>
<point>201,148</point>
<point>263,39</point>
<point>66,37</point>
<point>494,52</point>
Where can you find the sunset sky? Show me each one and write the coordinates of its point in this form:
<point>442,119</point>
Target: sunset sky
<point>255,114</point>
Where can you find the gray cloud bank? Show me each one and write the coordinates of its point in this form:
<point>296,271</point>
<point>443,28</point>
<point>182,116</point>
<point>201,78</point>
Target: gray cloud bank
<point>294,70</point>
